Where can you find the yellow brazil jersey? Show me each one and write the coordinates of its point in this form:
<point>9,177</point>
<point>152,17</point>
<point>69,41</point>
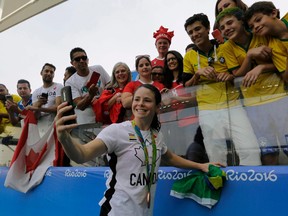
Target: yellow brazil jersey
<point>279,54</point>
<point>268,87</point>
<point>285,20</point>
<point>280,49</point>
<point>211,94</point>
<point>5,121</point>
<point>285,43</point>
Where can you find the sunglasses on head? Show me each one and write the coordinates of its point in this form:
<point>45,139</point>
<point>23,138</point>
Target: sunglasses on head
<point>78,59</point>
<point>142,56</point>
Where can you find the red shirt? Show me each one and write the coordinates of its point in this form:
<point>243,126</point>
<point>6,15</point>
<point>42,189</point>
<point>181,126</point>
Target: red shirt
<point>157,62</point>
<point>132,86</point>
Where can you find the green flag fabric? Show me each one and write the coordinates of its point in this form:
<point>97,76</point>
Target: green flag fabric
<point>204,188</point>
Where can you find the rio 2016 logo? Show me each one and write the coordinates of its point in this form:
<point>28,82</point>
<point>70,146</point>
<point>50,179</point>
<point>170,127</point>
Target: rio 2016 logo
<point>231,175</point>
<point>75,173</point>
<point>251,175</point>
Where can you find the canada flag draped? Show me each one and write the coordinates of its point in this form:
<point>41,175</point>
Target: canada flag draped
<point>33,155</point>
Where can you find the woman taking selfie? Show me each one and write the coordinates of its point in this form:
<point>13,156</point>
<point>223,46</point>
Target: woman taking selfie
<point>134,148</point>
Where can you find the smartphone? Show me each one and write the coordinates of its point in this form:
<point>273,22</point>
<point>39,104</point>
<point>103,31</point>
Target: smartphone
<point>44,95</point>
<point>218,36</point>
<point>93,79</point>
<point>66,96</point>
<point>9,97</point>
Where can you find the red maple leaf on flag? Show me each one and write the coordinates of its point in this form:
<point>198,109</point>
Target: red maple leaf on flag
<point>33,159</point>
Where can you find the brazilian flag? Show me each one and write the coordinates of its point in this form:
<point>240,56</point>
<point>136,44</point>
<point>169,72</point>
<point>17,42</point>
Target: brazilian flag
<point>204,188</point>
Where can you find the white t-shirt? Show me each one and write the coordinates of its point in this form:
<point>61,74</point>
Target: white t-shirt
<point>46,119</point>
<point>128,169</point>
<point>78,88</point>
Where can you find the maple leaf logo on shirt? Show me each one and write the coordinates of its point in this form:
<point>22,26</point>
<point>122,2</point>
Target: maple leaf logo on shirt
<point>139,153</point>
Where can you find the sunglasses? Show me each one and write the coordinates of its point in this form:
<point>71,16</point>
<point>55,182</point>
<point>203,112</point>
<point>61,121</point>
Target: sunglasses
<point>157,74</point>
<point>211,61</point>
<point>78,59</point>
<point>171,59</point>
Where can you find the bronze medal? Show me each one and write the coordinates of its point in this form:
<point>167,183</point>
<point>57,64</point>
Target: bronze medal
<point>148,199</point>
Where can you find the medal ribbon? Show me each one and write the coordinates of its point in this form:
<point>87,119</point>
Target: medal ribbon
<point>154,152</point>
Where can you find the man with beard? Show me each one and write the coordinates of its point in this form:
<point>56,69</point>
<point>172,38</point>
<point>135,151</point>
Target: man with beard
<point>85,86</point>
<point>15,109</point>
<point>46,98</point>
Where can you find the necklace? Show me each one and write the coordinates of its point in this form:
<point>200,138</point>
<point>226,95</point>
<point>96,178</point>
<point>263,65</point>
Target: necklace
<point>149,168</point>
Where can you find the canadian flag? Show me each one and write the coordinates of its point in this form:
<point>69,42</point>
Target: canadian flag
<point>33,156</point>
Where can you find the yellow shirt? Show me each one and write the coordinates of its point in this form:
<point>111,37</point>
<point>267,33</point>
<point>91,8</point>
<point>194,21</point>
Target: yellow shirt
<point>280,49</point>
<point>279,54</point>
<point>5,121</point>
<point>211,95</point>
<point>268,87</point>
<point>285,41</point>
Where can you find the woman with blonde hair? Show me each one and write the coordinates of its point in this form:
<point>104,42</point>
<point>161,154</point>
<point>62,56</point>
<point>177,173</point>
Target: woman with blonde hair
<point>108,107</point>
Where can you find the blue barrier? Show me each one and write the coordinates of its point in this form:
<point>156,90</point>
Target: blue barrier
<point>76,191</point>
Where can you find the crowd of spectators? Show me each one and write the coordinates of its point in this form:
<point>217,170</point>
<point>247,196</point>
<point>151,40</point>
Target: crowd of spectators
<point>200,91</point>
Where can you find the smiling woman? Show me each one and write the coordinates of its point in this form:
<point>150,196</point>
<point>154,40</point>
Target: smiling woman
<point>108,107</point>
<point>135,150</point>
<point>143,66</point>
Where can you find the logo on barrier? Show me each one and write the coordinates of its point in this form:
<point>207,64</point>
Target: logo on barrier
<point>162,175</point>
<point>173,175</point>
<point>106,174</point>
<point>48,172</point>
<point>231,175</point>
<point>75,173</point>
<point>251,175</point>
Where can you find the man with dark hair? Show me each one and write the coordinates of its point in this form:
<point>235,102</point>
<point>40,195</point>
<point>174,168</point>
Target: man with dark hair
<point>15,109</point>
<point>157,73</point>
<point>189,47</point>
<point>83,93</point>
<point>46,98</point>
<point>69,71</point>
